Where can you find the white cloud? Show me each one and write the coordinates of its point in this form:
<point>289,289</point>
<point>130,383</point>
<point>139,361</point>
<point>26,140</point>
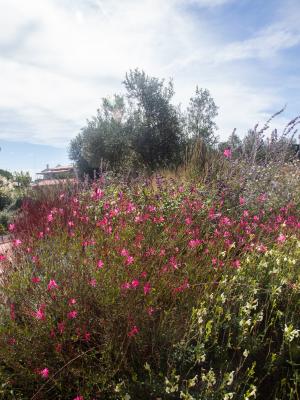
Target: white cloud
<point>267,43</point>
<point>59,57</point>
<point>208,3</point>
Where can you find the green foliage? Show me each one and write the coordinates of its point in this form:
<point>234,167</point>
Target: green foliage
<point>8,175</point>
<point>22,179</point>
<point>157,137</point>
<point>201,113</point>
<point>180,291</point>
<point>143,129</point>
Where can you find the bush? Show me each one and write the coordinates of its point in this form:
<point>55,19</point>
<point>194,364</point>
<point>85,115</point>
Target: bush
<point>157,290</point>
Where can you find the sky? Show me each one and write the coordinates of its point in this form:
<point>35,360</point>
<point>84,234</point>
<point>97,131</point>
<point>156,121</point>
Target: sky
<point>58,58</point>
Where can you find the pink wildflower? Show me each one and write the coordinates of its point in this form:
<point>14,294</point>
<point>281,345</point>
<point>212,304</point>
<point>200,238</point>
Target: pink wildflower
<point>2,257</point>
<point>262,197</point>
<point>135,283</point>
<point>40,314</point>
<point>134,330</point>
<point>227,153</point>
<point>61,327</point>
<point>281,238</point>
<point>129,260</point>
<point>11,341</point>
<point>50,218</point>
<point>17,242</point>
<point>188,221</point>
<point>72,314</point>
<point>236,263</point>
<point>242,201</point>
<point>261,248</point>
<point>35,279</point>
<point>78,398</point>
<point>52,284</point>
<point>124,253</point>
<point>72,302</point>
<point>87,337</point>
<point>147,288</point>
<point>125,286</point>
<point>44,373</point>
<point>150,311</point>
<point>93,282</point>
<point>11,227</point>
<point>194,243</point>
<point>100,264</point>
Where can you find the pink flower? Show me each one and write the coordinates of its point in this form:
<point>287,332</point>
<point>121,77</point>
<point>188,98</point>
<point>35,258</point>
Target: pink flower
<point>194,243</point>
<point>150,311</point>
<point>35,279</point>
<point>227,153</point>
<point>147,288</point>
<point>61,327</point>
<point>134,331</point>
<point>261,248</point>
<point>72,314</point>
<point>125,286</point>
<point>87,337</point>
<point>281,238</point>
<point>17,242</point>
<point>78,398</point>
<point>262,197</point>
<point>124,253</point>
<point>11,227</point>
<point>44,373</point>
<point>93,282</point>
<point>72,301</point>
<point>242,201</point>
<point>245,213</point>
<point>188,221</point>
<point>11,341</point>
<point>2,257</point>
<point>236,263</point>
<point>129,260</point>
<point>135,283</point>
<point>100,264</point>
<point>40,314</point>
<point>52,284</point>
<point>50,218</point>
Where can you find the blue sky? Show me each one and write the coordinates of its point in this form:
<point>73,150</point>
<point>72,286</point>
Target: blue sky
<point>58,58</point>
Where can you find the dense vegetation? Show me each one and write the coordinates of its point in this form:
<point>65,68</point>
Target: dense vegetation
<point>178,284</point>
<point>13,188</point>
<point>143,130</point>
<point>156,288</point>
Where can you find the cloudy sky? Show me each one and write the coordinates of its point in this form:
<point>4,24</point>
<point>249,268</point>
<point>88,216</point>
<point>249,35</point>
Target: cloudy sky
<point>58,58</point>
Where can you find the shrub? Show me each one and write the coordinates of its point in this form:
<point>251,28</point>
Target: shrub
<point>154,290</point>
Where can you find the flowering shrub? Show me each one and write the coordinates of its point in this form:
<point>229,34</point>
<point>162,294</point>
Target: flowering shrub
<point>151,291</point>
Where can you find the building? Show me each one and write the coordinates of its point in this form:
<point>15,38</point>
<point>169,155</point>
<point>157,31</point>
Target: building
<point>56,175</point>
<point>59,172</point>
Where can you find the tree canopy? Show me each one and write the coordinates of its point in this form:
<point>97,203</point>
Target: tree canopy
<point>142,127</point>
